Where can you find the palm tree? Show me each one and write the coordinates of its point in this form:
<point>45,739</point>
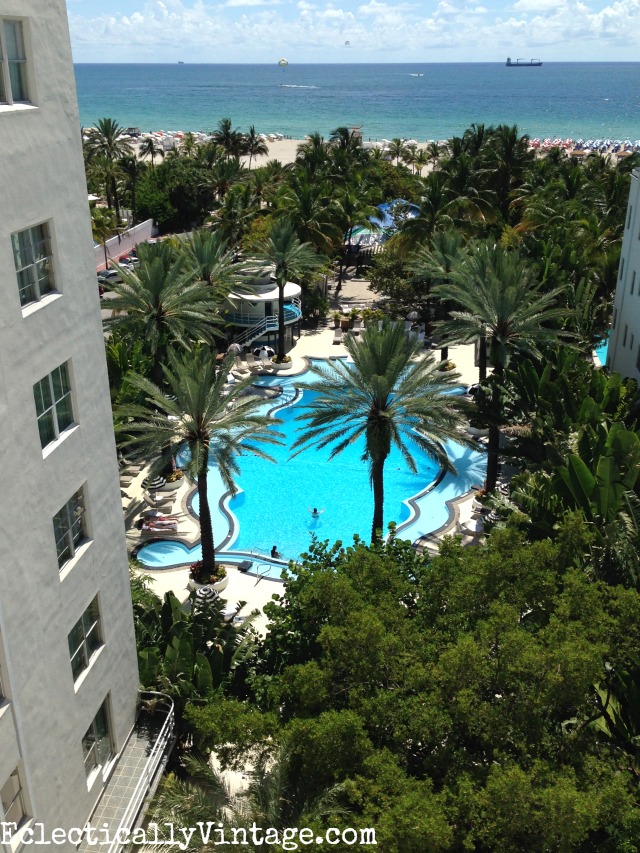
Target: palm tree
<point>214,422</point>
<point>254,146</point>
<point>229,139</point>
<point>107,142</point>
<point>189,144</point>
<point>103,226</point>
<point>435,263</point>
<point>390,397</point>
<point>396,149</point>
<point>163,303</point>
<point>209,254</point>
<point>312,211</point>
<point>503,307</point>
<point>133,170</point>
<point>289,258</point>
<point>312,155</point>
<point>148,148</point>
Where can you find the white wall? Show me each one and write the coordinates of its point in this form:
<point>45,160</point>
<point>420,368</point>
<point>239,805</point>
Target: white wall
<point>42,179</point>
<point>624,340</point>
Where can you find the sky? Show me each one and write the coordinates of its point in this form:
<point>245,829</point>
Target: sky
<point>311,31</point>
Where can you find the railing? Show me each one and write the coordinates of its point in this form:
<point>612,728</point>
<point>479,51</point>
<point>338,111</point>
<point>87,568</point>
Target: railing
<point>165,736</point>
<point>292,312</point>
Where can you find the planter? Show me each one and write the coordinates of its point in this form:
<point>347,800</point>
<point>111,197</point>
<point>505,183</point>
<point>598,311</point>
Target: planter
<point>173,486</point>
<point>284,366</point>
<point>344,324</point>
<point>218,585</point>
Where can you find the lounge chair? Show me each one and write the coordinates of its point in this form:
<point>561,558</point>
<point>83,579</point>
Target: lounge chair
<point>266,362</point>
<point>252,363</point>
<point>337,336</point>
<point>240,368</point>
<point>156,501</point>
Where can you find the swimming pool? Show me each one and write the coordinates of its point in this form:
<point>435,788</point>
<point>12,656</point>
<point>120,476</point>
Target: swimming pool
<point>601,351</point>
<point>273,503</point>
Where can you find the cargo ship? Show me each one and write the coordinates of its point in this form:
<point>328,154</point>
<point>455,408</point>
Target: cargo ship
<point>523,63</point>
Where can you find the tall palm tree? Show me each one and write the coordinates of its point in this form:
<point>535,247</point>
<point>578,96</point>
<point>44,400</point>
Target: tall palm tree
<point>163,303</point>
<point>312,154</point>
<point>435,262</point>
<point>501,305</point>
<point>228,138</point>
<point>189,144</point>
<point>389,396</point>
<point>396,149</point>
<point>107,142</point>
<point>103,226</point>
<point>289,259</point>
<point>312,211</point>
<point>215,423</point>
<point>133,170</point>
<point>149,148</point>
<point>254,146</point>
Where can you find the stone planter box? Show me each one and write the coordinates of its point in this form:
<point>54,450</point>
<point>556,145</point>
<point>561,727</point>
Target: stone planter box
<point>218,585</point>
<point>284,366</point>
<point>173,486</point>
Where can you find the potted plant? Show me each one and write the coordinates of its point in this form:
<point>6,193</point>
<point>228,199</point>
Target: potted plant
<point>353,316</point>
<point>337,316</point>
<point>477,429</point>
<point>445,366</point>
<point>174,479</point>
<point>199,577</point>
<point>281,365</point>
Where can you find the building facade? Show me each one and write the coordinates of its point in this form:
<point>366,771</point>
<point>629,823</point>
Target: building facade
<point>68,671</point>
<point>623,354</point>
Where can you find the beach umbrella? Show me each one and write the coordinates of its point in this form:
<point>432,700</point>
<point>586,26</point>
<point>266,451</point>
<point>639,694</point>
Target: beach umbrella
<point>154,484</point>
<point>205,596</point>
<point>235,348</point>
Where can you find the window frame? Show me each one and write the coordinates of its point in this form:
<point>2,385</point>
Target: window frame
<point>74,532</point>
<point>35,260</point>
<point>89,640</point>
<point>7,98</point>
<point>93,750</point>
<point>18,797</point>
<point>53,410</point>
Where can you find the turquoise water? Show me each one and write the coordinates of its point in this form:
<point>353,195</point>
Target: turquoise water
<point>272,507</point>
<point>560,99</point>
<point>601,352</point>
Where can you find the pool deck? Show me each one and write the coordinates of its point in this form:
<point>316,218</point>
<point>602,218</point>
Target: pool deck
<point>257,591</point>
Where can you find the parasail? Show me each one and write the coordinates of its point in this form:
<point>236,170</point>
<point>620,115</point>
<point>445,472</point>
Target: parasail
<point>283,63</point>
<point>347,43</point>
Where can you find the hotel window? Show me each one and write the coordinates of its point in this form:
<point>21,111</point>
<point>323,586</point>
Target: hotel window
<point>624,337</point>
<point>68,527</point>
<point>621,268</point>
<point>85,639</point>
<point>33,259</point>
<point>633,281</point>
<point>638,360</point>
<point>13,802</point>
<point>13,63</point>
<point>96,744</point>
<point>629,215</point>
<point>615,318</point>
<point>631,342</point>
<point>53,404</point>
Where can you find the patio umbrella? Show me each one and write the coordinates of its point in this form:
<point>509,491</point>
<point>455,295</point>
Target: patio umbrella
<point>264,352</point>
<point>155,484</point>
<point>413,315</point>
<point>235,348</point>
<point>206,595</point>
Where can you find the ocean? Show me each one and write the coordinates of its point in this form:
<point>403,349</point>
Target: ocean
<point>430,101</point>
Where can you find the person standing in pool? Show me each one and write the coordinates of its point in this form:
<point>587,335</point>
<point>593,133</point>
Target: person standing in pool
<point>315,512</point>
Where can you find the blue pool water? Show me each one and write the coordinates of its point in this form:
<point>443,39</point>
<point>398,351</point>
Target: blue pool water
<point>601,352</point>
<point>272,505</point>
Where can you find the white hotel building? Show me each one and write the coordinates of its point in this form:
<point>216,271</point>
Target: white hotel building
<point>623,355</point>
<point>68,670</point>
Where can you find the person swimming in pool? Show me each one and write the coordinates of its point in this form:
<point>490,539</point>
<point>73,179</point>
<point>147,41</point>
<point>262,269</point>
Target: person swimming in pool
<point>315,512</point>
<point>275,553</point>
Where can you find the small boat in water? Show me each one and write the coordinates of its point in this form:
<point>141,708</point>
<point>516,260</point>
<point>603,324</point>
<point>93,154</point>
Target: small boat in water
<point>416,75</point>
<point>523,63</point>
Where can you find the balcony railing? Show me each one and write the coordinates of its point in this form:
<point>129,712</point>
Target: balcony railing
<point>148,745</point>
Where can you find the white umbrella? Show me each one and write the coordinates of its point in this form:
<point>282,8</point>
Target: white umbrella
<point>413,315</point>
<point>236,348</point>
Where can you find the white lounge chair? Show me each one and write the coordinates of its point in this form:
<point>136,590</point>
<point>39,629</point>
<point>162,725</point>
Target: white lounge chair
<point>337,336</point>
<point>156,501</point>
<point>253,364</point>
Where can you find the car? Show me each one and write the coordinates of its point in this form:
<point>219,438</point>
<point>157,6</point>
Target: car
<point>108,276</point>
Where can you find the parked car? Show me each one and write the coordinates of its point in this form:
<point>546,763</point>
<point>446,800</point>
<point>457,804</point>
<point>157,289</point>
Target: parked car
<point>107,276</point>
